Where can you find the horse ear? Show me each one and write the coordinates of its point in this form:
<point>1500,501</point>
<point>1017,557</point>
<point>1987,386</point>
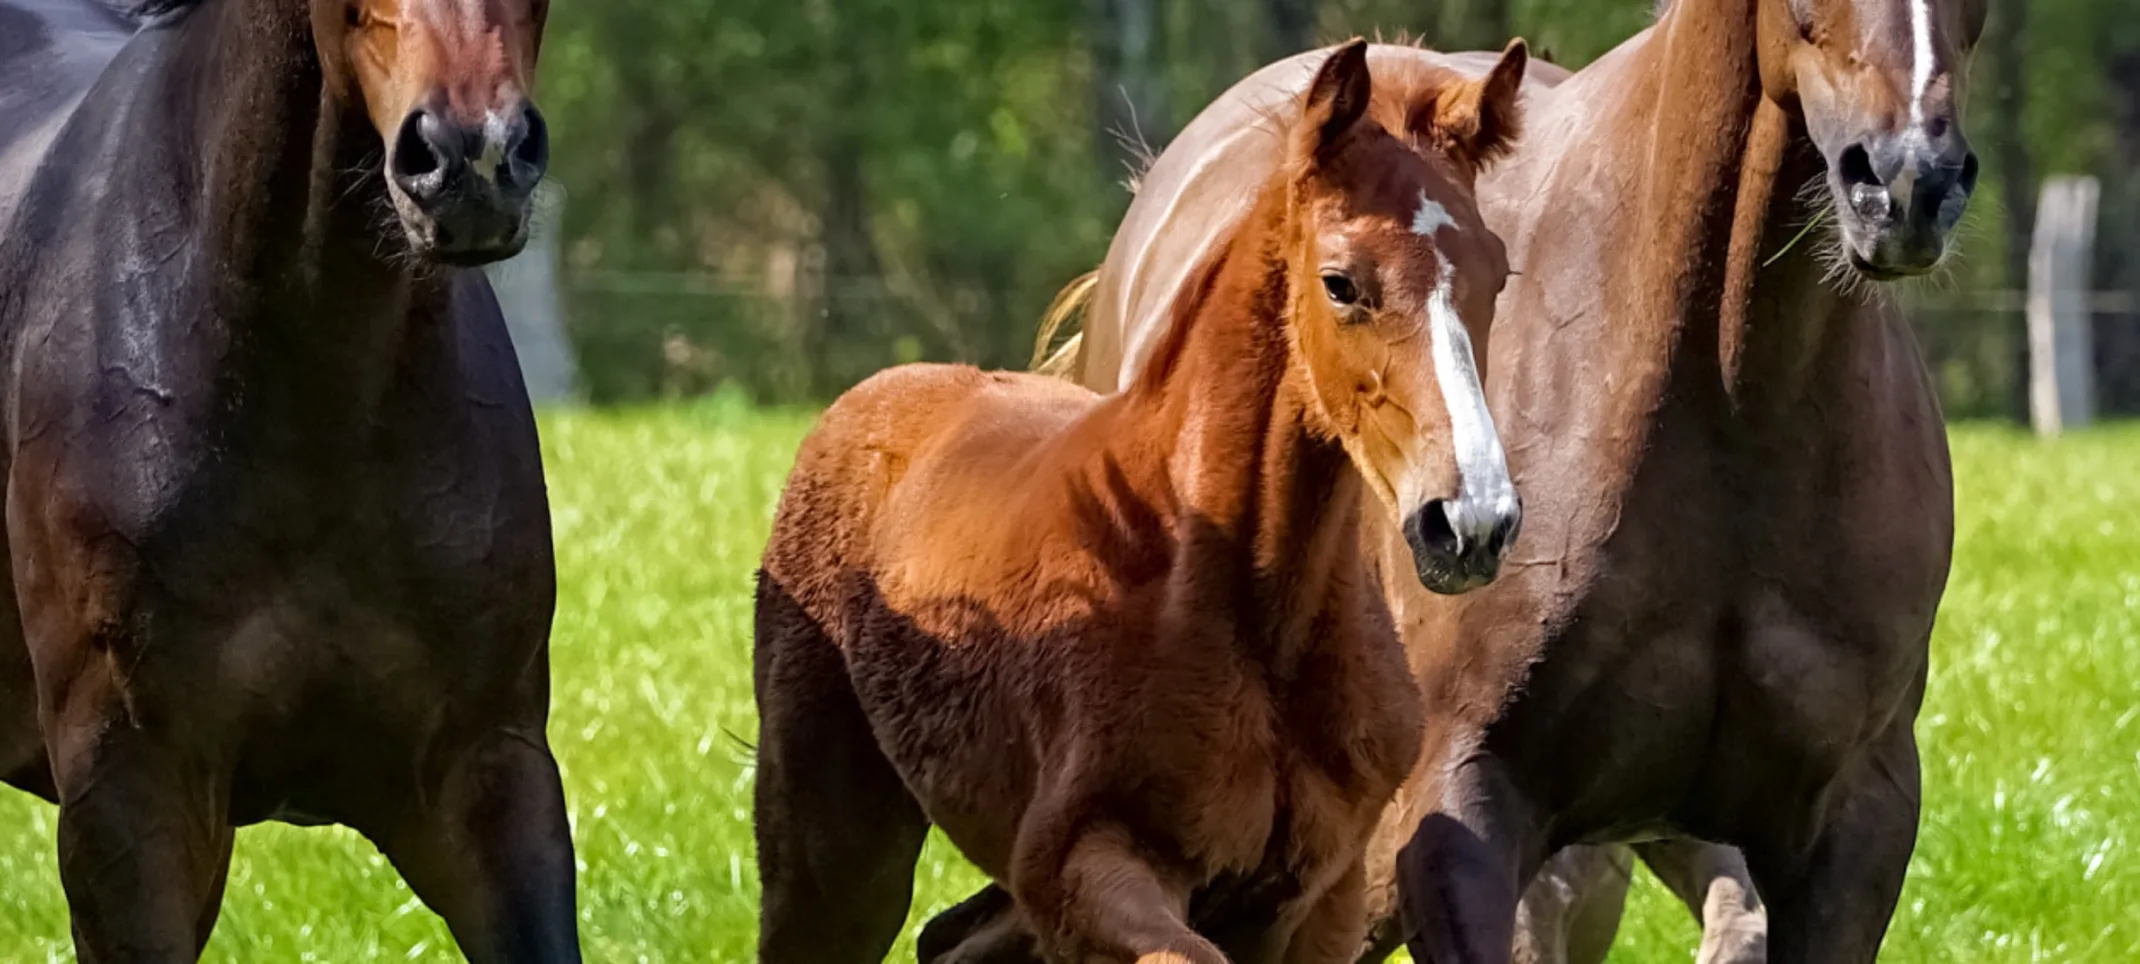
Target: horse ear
<point>1478,121</point>
<point>1335,100</point>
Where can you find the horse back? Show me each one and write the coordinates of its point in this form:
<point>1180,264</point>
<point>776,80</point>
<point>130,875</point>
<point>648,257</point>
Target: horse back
<point>909,456</point>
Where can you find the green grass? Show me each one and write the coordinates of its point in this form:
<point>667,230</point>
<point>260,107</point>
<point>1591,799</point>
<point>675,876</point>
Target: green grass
<point>2031,732</point>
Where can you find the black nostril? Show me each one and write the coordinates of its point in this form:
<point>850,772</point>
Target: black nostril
<point>534,147</point>
<point>1504,534</point>
<point>1969,173</point>
<point>1855,166</point>
<point>413,154</point>
<point>1432,529</point>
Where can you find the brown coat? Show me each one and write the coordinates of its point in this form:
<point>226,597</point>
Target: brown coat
<point>1121,649</point>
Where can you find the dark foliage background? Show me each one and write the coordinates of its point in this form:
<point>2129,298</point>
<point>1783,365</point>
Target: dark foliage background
<point>784,195</point>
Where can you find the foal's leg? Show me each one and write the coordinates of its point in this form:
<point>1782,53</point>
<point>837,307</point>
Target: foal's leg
<point>492,853</point>
<point>1712,880</point>
<point>1460,876</point>
<point>838,833</point>
<point>1100,900</point>
<point>1336,927</point>
<point>985,928</point>
<point>1831,893</point>
<point>144,844</point>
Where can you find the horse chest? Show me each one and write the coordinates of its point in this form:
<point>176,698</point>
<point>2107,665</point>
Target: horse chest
<point>1336,742</point>
<point>1753,621</point>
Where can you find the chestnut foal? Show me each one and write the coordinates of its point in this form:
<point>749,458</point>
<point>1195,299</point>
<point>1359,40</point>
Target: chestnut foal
<point>1124,650</point>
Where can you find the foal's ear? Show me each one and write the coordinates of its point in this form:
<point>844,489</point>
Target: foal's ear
<point>1478,121</point>
<point>1335,100</point>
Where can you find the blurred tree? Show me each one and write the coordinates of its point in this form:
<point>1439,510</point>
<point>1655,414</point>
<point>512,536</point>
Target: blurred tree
<point>789,194</point>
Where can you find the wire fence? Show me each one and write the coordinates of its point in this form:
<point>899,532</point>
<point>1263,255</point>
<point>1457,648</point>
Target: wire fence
<point>661,335</point>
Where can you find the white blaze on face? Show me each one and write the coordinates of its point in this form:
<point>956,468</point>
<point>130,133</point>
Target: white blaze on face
<point>1485,494</point>
<point>486,164</point>
<point>1432,217</point>
<point>1921,59</point>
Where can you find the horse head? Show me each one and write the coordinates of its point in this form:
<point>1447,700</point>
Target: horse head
<point>1876,82</point>
<point>1391,280</point>
<point>447,84</point>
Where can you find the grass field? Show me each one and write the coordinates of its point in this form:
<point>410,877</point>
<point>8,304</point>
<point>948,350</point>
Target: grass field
<point>2030,848</point>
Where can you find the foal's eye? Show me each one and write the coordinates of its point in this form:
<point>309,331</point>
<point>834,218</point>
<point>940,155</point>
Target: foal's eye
<point>1341,290</point>
<point>353,15</point>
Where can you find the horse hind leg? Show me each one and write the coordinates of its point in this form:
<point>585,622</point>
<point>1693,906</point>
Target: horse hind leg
<point>1712,880</point>
<point>985,928</point>
<point>1571,911</point>
<point>838,832</point>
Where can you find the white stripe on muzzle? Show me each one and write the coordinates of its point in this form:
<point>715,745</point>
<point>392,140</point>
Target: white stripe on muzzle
<point>1485,493</point>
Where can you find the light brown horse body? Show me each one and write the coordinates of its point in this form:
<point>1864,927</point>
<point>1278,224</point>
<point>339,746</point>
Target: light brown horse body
<point>1122,649</point>
<point>1717,625</point>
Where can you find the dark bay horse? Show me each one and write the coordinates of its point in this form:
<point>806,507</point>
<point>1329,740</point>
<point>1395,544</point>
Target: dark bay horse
<point>1739,497</point>
<point>275,513</point>
<point>1123,649</point>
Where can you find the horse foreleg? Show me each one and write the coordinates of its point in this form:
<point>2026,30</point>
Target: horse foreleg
<point>1336,926</point>
<point>492,854</point>
<point>1105,902</point>
<point>1461,874</point>
<point>144,844</point>
<point>1712,880</point>
<point>1831,891</point>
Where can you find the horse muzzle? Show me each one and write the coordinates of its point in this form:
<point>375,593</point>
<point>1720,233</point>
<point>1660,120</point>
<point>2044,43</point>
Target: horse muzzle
<point>1899,197</point>
<point>465,190</point>
<point>1457,544</point>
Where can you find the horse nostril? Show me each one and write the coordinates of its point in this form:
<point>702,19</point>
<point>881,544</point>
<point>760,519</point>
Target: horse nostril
<point>1969,173</point>
<point>419,154</point>
<point>1433,529</point>
<point>1505,531</point>
<point>533,151</point>
<point>1855,167</point>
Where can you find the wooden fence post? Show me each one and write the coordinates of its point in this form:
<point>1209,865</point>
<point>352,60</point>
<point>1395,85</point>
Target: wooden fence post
<point>2061,326</point>
<point>531,294</point>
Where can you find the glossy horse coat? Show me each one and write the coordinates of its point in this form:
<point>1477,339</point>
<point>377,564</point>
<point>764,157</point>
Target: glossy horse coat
<point>275,511</point>
<point>1123,651</point>
<point>1738,497</point>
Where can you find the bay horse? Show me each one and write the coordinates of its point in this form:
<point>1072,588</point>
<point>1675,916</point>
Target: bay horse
<point>275,515</point>
<point>1119,649</point>
<point>1733,459</point>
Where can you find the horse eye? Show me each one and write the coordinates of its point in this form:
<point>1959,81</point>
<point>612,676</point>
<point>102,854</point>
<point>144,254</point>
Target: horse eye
<point>1341,290</point>
<point>353,15</point>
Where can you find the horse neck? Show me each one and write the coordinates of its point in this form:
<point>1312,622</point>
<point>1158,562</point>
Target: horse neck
<point>1719,253</point>
<point>292,204</point>
<point>1261,495</point>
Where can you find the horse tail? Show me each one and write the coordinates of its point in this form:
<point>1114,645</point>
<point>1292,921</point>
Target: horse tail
<point>1060,361</point>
